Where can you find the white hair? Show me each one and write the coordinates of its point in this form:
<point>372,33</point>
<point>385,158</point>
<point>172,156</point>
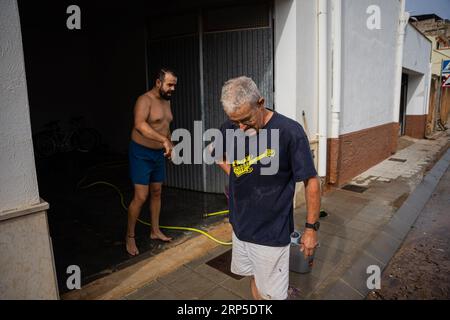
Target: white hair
<point>239,91</point>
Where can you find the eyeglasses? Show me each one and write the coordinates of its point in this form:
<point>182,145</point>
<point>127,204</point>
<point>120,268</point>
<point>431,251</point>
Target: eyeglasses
<point>247,121</point>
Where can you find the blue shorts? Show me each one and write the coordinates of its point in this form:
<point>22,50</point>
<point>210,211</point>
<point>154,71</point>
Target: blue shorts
<point>146,165</point>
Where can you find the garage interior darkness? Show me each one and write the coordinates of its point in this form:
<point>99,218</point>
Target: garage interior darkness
<point>83,84</point>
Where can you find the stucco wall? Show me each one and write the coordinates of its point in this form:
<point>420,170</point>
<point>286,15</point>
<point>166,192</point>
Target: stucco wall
<point>295,61</point>
<point>368,67</point>
<point>416,51</point>
<point>26,259</point>
<point>18,183</point>
<point>417,92</point>
<point>416,62</point>
<point>307,65</point>
<point>286,57</point>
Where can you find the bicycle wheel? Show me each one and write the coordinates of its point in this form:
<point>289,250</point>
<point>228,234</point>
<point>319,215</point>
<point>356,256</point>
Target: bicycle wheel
<point>87,140</point>
<point>44,145</point>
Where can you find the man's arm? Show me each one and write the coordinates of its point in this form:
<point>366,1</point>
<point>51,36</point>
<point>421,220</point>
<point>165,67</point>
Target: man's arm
<point>312,196</point>
<point>141,113</point>
<point>225,166</point>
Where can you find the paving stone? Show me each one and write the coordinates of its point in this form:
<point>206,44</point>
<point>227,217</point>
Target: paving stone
<point>175,275</point>
<point>192,285</point>
<point>341,291</point>
<point>162,293</point>
<point>239,287</point>
<point>304,283</point>
<point>199,261</point>
<point>383,247</point>
<point>362,226</point>
<point>329,255</point>
<point>211,273</point>
<point>334,218</point>
<point>321,269</point>
<point>375,212</point>
<point>335,242</point>
<point>220,293</point>
<point>344,231</point>
<point>145,291</point>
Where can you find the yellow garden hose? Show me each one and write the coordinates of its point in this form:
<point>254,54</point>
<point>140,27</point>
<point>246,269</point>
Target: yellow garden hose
<point>218,213</point>
<point>163,227</point>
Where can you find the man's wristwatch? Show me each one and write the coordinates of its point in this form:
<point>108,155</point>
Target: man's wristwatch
<point>314,226</point>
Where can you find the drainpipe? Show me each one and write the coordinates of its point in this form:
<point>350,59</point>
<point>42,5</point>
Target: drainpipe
<point>336,65</point>
<point>403,21</point>
<point>322,86</point>
<point>428,84</point>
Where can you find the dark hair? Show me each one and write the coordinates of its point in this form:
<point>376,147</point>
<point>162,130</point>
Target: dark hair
<point>161,73</point>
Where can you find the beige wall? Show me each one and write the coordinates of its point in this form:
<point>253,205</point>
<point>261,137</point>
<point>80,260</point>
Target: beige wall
<point>437,56</point>
<point>26,258</point>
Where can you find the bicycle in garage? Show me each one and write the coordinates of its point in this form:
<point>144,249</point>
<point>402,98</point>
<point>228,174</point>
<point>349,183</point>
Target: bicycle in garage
<point>53,139</point>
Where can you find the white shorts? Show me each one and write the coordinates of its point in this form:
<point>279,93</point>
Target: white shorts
<point>269,266</point>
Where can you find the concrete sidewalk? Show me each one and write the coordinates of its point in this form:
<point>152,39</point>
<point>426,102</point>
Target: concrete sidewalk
<point>361,229</point>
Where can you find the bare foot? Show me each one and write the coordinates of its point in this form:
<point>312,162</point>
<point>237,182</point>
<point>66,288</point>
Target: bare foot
<point>159,235</point>
<point>131,246</point>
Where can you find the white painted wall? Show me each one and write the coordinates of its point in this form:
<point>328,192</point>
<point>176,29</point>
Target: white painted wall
<point>368,66</point>
<point>18,183</point>
<point>416,51</point>
<point>416,62</point>
<point>307,65</point>
<point>295,30</point>
<point>416,97</point>
<point>296,61</point>
<point>285,25</point>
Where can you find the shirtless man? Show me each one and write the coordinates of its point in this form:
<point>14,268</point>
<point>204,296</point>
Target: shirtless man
<point>150,143</point>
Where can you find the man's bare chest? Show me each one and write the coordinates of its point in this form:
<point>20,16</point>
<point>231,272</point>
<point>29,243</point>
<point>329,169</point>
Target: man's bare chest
<point>160,114</point>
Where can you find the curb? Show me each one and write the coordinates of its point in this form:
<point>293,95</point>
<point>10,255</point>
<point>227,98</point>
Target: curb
<point>352,284</point>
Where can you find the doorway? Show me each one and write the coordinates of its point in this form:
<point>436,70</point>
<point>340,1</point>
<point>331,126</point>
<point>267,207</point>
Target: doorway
<point>403,103</point>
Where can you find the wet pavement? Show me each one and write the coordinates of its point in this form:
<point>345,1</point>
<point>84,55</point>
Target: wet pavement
<point>362,229</point>
<point>421,267</point>
<point>88,226</point>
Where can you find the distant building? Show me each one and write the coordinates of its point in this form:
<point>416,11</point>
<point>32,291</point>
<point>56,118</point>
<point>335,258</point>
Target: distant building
<point>438,31</point>
<point>432,25</point>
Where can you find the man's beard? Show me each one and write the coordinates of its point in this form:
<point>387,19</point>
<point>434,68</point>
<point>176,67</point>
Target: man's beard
<point>164,95</point>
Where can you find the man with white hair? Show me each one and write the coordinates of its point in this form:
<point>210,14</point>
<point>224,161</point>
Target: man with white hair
<point>261,203</point>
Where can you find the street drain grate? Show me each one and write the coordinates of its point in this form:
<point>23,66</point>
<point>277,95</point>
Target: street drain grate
<point>354,188</point>
<point>223,264</point>
<point>397,159</point>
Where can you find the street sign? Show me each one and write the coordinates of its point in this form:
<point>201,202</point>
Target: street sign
<point>446,66</point>
<point>446,81</point>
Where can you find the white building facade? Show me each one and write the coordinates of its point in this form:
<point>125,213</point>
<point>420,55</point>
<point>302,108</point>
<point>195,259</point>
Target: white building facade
<point>349,57</point>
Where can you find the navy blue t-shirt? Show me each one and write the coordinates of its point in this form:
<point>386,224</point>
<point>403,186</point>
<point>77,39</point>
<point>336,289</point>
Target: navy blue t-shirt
<point>261,205</point>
